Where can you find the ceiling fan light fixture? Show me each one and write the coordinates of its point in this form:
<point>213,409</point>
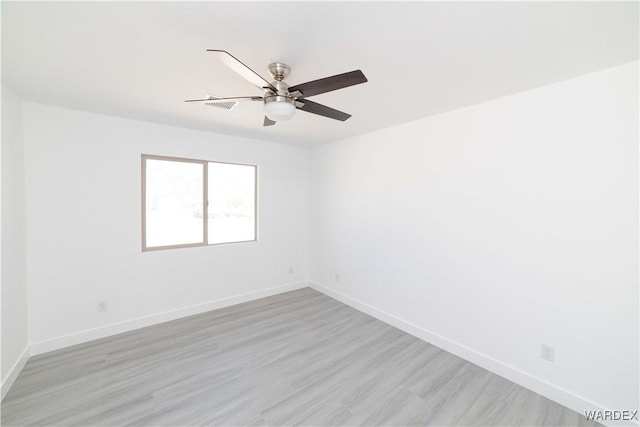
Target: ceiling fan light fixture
<point>279,108</point>
<point>280,99</point>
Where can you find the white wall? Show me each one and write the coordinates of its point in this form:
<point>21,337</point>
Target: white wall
<point>84,226</point>
<point>496,228</point>
<point>14,280</point>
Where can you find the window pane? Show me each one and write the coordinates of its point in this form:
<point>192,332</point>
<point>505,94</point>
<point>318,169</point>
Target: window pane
<point>232,206</point>
<point>174,203</point>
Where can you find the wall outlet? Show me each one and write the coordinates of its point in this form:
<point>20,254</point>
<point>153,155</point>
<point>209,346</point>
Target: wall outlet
<point>291,269</point>
<point>337,277</point>
<point>102,306</point>
<point>547,352</point>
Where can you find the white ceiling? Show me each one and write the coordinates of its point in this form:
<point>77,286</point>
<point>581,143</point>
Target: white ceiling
<point>141,60</point>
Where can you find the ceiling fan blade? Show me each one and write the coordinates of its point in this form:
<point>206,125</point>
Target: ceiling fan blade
<point>237,66</point>
<point>328,84</point>
<point>268,122</point>
<point>235,98</point>
<point>321,110</point>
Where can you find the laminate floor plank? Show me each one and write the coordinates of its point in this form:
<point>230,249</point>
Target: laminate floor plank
<point>298,358</point>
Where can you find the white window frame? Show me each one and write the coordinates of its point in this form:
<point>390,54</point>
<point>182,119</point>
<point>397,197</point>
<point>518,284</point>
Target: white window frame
<point>205,202</point>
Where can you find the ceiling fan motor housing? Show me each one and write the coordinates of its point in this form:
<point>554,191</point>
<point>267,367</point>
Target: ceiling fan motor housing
<point>281,87</point>
<point>279,106</point>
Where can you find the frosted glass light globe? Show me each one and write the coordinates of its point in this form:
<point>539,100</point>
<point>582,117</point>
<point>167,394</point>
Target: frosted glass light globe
<point>279,111</point>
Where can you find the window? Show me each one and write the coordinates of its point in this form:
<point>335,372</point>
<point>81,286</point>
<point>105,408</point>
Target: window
<point>187,202</point>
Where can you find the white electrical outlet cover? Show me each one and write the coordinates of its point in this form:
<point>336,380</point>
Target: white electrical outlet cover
<point>547,352</point>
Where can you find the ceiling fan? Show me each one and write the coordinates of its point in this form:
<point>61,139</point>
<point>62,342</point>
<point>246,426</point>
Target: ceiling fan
<point>280,99</point>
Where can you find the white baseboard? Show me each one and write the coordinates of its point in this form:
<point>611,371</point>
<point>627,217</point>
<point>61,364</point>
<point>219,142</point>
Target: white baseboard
<point>537,385</point>
<point>129,325</point>
<point>14,371</point>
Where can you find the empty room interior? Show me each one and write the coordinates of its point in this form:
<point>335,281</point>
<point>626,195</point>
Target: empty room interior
<point>320,213</point>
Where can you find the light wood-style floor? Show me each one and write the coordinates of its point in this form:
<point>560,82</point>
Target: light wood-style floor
<point>299,358</point>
